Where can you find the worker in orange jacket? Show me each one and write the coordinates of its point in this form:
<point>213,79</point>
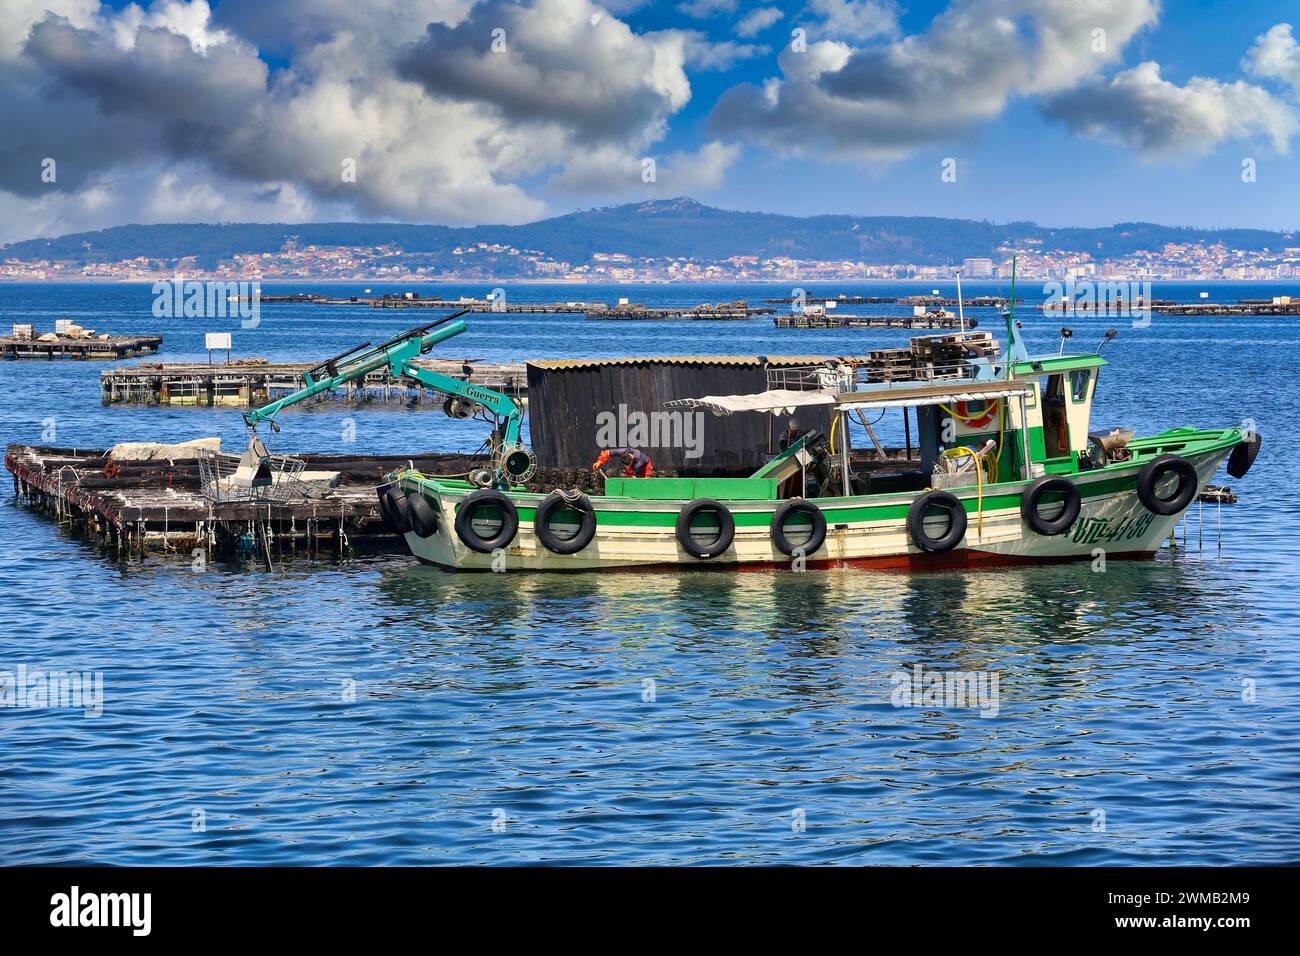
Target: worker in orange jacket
<point>636,463</point>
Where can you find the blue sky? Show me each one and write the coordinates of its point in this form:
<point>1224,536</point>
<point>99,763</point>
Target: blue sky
<point>245,110</point>
<point>1021,165</point>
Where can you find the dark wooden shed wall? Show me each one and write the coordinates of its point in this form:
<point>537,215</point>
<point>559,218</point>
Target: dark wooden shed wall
<point>563,405</point>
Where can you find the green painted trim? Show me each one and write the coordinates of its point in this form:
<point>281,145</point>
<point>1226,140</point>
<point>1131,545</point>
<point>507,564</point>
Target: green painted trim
<point>1056,363</point>
<point>1113,479</point>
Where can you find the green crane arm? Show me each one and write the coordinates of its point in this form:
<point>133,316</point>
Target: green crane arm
<point>398,355</point>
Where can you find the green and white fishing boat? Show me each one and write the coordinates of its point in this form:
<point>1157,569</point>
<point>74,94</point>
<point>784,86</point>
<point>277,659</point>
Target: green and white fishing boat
<point>1010,471</point>
<point>1007,470</point>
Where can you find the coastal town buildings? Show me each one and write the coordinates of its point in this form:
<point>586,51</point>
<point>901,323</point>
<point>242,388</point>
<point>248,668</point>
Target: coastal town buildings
<point>485,260</point>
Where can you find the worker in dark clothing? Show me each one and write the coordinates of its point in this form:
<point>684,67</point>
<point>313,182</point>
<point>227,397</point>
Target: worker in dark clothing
<point>636,463</point>
<point>792,434</point>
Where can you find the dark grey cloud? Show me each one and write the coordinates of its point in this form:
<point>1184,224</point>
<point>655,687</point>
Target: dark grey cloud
<point>159,109</point>
<point>161,76</point>
<point>550,64</point>
<point>882,101</point>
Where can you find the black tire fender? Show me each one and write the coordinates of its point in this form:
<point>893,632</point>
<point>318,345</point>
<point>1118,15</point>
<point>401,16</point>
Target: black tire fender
<point>726,528</point>
<point>1243,456</point>
<point>424,517</point>
<point>956,521</point>
<point>1050,484</point>
<point>386,508</point>
<point>465,521</point>
<point>1156,469</point>
<point>393,506</point>
<point>814,542</point>
<point>542,523</point>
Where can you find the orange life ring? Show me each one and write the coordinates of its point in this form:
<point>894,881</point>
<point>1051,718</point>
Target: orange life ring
<point>964,413</point>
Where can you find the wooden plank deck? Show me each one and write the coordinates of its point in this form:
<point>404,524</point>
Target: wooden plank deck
<point>158,506</point>
<point>114,347</point>
<point>253,382</point>
<point>134,508</point>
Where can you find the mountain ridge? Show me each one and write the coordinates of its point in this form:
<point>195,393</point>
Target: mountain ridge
<point>680,228</point>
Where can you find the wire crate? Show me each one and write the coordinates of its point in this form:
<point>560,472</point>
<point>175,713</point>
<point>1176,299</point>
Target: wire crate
<point>805,378</point>
<point>216,471</point>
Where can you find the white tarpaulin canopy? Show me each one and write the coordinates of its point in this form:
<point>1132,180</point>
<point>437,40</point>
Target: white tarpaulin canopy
<point>778,401</point>
<point>785,401</point>
<point>885,400</point>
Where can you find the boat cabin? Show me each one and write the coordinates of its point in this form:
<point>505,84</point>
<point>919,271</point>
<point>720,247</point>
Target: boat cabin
<point>991,426</point>
<point>1060,409</point>
<point>1055,422</point>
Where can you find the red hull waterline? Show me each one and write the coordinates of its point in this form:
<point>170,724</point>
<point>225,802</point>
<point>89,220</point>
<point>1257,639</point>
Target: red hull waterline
<point>966,559</point>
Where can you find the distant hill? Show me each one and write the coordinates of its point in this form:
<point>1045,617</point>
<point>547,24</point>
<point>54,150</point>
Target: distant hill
<point>674,227</point>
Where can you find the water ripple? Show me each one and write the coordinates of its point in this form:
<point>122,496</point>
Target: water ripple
<point>377,712</point>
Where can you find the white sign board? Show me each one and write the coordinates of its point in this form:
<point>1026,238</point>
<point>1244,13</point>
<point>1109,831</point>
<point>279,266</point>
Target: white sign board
<point>216,340</point>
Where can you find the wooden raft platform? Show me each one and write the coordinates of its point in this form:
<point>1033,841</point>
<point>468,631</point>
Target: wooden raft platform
<point>400,301</point>
<point>592,310</point>
<point>818,320</point>
<point>158,506</point>
<point>114,347</point>
<point>256,382</point>
<point>722,311</point>
<point>1243,308</point>
<point>970,302</point>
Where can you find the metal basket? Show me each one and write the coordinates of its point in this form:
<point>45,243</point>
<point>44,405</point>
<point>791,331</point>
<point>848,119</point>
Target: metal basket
<point>217,469</point>
<point>799,378</point>
<point>944,481</point>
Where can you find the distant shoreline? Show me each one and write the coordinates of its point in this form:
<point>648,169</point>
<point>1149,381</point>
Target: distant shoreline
<point>571,283</point>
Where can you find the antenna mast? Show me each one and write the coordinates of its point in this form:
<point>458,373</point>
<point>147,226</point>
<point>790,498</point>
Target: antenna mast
<point>960,311</point>
<point>1011,318</point>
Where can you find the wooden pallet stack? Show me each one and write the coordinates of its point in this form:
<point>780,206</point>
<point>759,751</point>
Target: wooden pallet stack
<point>946,356</point>
<point>930,357</point>
<point>891,365</point>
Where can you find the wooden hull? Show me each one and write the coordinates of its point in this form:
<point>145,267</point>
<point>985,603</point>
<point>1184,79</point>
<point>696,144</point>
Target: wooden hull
<point>864,531</point>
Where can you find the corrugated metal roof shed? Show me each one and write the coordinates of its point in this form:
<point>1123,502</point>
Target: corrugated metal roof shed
<point>572,402</point>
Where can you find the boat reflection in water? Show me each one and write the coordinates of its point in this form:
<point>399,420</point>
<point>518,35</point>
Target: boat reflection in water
<point>1039,619</point>
<point>672,715</point>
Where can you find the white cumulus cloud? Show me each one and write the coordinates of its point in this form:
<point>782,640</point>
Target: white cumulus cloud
<point>1141,109</point>
<point>756,21</point>
<point>855,19</point>
<point>1275,55</point>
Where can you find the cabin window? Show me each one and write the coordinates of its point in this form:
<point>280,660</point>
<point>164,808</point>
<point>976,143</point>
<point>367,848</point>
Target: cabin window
<point>1079,381</point>
<point>1056,428</point>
